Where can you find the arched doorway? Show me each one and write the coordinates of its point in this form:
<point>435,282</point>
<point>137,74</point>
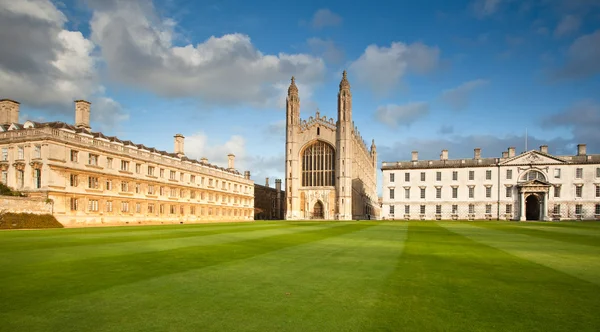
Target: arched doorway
<point>532,207</point>
<point>318,211</point>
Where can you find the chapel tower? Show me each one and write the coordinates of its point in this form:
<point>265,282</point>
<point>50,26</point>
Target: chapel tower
<point>344,151</point>
<point>291,158</point>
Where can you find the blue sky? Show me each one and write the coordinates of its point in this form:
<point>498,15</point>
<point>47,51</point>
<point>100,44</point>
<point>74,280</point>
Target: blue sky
<point>425,75</point>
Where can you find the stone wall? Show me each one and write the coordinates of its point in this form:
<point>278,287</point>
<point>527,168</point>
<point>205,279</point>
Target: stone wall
<point>25,205</point>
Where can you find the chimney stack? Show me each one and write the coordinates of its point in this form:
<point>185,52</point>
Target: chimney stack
<point>278,184</point>
<point>415,155</point>
<point>266,182</point>
<point>444,155</point>
<point>504,154</point>
<point>230,160</point>
<point>204,160</point>
<point>544,149</point>
<point>179,145</point>
<point>247,175</point>
<point>82,114</point>
<point>511,152</point>
<point>581,150</point>
<point>477,153</point>
<point>9,111</point>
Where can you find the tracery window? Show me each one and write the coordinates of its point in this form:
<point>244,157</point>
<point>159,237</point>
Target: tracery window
<point>318,165</point>
<point>533,175</point>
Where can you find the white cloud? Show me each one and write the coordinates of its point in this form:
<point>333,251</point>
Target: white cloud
<point>138,50</point>
<point>583,118</point>
<point>458,98</point>
<point>42,64</point>
<point>326,49</point>
<point>461,146</point>
<point>198,145</point>
<point>107,113</point>
<point>567,25</point>
<point>382,68</point>
<point>401,115</point>
<point>324,18</point>
<point>582,58</point>
<point>483,8</point>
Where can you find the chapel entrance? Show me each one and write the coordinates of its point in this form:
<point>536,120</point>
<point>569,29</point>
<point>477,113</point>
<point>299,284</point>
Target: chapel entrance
<point>318,211</point>
<point>532,207</point>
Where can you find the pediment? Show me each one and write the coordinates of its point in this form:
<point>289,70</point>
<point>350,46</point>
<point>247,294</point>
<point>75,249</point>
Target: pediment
<point>534,183</point>
<point>533,157</point>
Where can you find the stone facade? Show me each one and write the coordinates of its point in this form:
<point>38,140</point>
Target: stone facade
<point>34,205</point>
<point>269,203</point>
<point>98,179</point>
<point>330,172</point>
<point>533,185</point>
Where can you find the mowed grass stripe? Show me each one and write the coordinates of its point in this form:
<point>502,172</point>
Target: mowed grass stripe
<point>325,285</point>
<point>573,224</point>
<point>62,254</point>
<point>98,237</point>
<point>555,233</point>
<point>444,281</point>
<point>568,230</point>
<point>69,234</point>
<point>71,278</point>
<point>581,261</point>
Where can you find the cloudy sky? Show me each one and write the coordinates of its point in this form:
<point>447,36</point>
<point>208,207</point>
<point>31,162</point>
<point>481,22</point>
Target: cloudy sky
<point>425,75</point>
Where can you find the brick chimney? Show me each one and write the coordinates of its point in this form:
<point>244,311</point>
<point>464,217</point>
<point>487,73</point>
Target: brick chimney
<point>504,154</point>
<point>179,145</point>
<point>477,153</point>
<point>415,155</point>
<point>230,161</point>
<point>82,114</point>
<point>9,111</point>
<point>266,182</point>
<point>204,160</point>
<point>581,150</point>
<point>544,149</point>
<point>247,175</point>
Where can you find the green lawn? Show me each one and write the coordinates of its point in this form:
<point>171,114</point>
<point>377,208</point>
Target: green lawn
<point>303,276</point>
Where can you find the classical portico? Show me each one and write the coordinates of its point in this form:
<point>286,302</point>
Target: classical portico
<point>533,198</point>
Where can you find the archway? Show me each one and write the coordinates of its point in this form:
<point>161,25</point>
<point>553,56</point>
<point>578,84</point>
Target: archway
<point>532,207</point>
<point>318,211</point>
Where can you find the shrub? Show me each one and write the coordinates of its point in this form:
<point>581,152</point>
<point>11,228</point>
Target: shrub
<point>28,220</point>
<point>7,191</point>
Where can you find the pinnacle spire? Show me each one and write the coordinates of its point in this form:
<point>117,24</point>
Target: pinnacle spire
<point>293,89</point>
<point>344,84</point>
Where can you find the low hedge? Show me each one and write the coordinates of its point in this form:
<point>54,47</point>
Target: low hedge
<point>28,220</point>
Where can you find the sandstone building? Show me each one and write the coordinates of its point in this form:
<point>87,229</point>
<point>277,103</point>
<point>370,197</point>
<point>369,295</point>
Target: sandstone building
<point>533,185</point>
<point>330,172</point>
<point>269,202</point>
<point>92,178</point>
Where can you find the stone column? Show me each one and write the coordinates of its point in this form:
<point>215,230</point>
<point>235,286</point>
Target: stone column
<point>545,207</point>
<point>522,207</point>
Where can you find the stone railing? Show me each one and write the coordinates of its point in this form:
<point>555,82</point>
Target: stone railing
<point>117,147</point>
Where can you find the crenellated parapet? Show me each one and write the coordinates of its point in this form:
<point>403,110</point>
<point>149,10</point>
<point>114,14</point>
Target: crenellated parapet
<point>318,119</point>
<point>360,140</point>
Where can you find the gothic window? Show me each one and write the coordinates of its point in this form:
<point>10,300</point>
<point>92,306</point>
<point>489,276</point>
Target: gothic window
<point>318,165</point>
<point>533,175</point>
